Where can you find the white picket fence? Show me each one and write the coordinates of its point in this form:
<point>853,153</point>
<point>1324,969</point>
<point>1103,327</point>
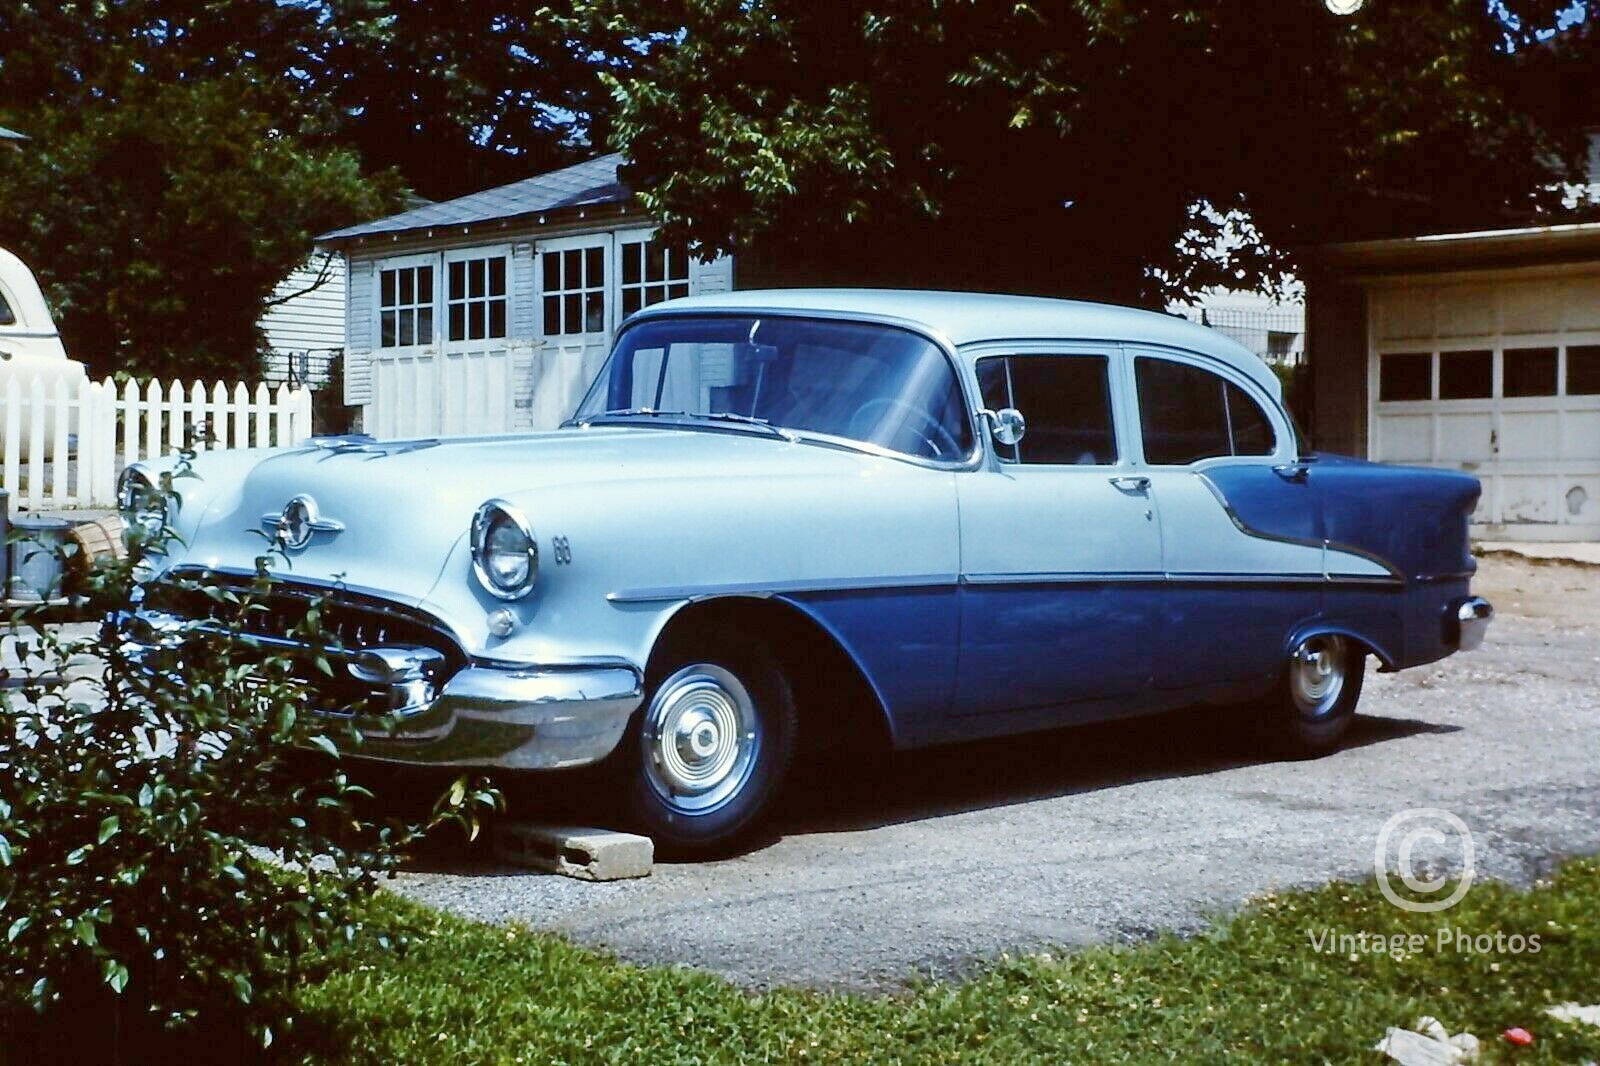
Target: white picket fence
<point>40,468</point>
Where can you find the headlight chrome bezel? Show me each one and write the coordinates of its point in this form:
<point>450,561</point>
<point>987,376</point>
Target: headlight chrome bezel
<point>489,515</point>
<point>142,504</point>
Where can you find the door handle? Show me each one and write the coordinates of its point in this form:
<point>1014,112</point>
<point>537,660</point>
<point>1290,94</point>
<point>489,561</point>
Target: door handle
<point>1132,483</point>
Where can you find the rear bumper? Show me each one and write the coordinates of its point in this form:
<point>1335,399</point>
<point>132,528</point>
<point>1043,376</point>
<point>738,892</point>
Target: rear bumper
<point>1471,618</point>
<point>488,714</point>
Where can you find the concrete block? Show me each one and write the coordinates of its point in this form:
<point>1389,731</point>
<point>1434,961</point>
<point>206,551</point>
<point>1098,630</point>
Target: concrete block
<point>575,851</point>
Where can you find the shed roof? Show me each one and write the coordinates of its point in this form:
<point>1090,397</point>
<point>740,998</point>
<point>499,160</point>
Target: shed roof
<point>583,185</point>
<point>12,135</point>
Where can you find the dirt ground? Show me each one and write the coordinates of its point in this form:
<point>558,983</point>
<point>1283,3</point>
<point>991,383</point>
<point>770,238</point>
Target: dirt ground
<point>1540,588</point>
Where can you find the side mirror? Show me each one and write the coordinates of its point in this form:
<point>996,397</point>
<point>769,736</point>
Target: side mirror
<point>1006,425</point>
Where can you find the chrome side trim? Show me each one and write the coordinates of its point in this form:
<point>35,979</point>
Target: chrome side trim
<point>778,588</point>
<point>782,588</point>
<point>1065,578</point>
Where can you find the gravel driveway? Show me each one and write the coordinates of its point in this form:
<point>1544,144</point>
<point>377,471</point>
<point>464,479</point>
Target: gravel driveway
<point>927,862</point>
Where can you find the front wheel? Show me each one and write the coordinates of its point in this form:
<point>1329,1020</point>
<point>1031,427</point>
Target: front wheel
<point>707,755</point>
<point>1311,709</point>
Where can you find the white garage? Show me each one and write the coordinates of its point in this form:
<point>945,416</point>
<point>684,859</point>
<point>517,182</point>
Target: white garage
<point>1493,371</point>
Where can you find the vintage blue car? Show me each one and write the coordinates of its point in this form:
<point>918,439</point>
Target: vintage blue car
<point>782,518</point>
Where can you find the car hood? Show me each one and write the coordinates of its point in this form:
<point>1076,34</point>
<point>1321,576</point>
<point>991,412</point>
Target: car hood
<point>404,505</point>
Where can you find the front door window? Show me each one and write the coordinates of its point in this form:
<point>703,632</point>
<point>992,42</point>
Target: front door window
<point>574,291</point>
<point>405,306</point>
<point>475,298</point>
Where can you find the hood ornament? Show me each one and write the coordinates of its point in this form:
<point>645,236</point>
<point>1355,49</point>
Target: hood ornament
<point>298,521</point>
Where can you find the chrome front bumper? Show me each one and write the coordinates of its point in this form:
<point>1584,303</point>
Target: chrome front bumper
<point>516,716</point>
<point>1472,618</point>
<point>488,714</point>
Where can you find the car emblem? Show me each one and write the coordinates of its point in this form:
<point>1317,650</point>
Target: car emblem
<point>298,521</point>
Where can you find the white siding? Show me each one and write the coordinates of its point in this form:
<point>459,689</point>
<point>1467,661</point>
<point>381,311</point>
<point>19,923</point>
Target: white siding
<point>358,349</point>
<point>524,356</point>
<point>312,316</point>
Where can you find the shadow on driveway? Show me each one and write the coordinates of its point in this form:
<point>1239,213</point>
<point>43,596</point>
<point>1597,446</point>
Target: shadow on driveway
<point>856,792</point>
<point>853,792</point>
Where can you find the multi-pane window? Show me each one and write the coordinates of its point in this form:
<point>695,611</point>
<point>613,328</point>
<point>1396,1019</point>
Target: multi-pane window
<point>651,272</point>
<point>1583,370</point>
<point>1466,375</point>
<point>1066,400</point>
<point>1529,372</point>
<point>475,298</point>
<point>574,291</point>
<point>1188,414</point>
<point>405,306</point>
<point>1406,376</point>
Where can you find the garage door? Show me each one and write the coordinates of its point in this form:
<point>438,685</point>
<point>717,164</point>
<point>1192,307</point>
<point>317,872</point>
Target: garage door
<point>1501,379</point>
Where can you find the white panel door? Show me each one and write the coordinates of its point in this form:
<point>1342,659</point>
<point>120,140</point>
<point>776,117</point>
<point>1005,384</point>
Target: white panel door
<point>405,359</point>
<point>576,317</point>
<point>474,382</point>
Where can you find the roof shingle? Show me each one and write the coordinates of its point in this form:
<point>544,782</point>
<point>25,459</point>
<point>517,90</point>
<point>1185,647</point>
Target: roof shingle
<point>585,184</point>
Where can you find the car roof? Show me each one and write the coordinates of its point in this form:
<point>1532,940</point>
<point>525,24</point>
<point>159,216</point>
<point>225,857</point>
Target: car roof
<point>965,318</point>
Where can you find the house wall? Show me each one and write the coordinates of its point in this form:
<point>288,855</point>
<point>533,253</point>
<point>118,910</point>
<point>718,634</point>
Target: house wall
<point>311,319</point>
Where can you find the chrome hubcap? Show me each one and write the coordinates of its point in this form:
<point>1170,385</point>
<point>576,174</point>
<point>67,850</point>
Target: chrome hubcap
<point>700,738</point>
<point>1317,671</point>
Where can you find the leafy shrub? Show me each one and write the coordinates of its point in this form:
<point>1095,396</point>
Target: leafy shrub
<point>180,842</point>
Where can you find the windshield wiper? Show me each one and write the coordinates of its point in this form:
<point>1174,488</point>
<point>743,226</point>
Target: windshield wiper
<point>708,416</point>
<point>748,420</point>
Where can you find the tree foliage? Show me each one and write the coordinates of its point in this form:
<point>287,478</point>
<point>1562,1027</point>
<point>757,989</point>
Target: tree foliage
<point>185,152</point>
<point>160,224</point>
<point>1065,147</point>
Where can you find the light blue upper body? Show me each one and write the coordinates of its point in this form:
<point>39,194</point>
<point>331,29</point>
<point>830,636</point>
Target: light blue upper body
<point>971,593</point>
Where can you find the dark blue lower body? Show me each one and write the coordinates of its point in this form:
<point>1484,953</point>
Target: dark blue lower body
<point>963,661</point>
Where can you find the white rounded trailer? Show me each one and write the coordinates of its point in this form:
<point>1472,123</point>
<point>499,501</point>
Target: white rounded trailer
<point>30,349</point>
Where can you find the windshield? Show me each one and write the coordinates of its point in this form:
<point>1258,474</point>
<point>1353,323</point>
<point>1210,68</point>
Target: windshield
<point>873,384</point>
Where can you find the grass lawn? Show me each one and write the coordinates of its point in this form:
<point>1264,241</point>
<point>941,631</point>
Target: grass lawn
<point>1255,988</point>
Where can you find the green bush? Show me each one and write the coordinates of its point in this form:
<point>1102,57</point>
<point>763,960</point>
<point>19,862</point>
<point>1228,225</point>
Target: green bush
<point>180,842</point>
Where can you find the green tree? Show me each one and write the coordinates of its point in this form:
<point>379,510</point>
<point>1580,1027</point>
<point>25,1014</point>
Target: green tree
<point>1065,147</point>
<point>161,221</point>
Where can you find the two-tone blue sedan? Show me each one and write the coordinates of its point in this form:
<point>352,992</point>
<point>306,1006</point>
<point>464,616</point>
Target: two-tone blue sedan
<point>796,517</point>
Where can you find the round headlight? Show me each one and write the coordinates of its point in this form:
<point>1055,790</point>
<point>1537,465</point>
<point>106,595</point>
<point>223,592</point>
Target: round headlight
<point>142,504</point>
<point>504,554</point>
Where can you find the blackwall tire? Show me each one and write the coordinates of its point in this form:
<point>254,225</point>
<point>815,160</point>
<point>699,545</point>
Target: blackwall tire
<point>1311,708</point>
<point>708,752</point>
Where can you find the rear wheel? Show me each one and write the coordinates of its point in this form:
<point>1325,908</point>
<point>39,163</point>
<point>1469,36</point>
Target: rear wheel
<point>707,755</point>
<point>1311,709</point>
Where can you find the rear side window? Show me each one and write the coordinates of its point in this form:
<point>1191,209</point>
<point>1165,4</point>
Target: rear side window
<point>1188,414</point>
<point>1066,400</point>
<point>7,316</point>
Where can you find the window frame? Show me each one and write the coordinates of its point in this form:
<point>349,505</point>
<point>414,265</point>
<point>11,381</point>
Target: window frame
<point>1110,353</point>
<point>1113,351</point>
<point>1283,434</point>
<point>442,311</point>
<point>406,262</point>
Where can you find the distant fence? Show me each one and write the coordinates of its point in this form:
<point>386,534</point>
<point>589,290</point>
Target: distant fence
<point>63,446</point>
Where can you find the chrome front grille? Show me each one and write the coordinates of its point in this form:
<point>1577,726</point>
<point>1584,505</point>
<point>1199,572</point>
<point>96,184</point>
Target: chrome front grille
<point>335,622</point>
